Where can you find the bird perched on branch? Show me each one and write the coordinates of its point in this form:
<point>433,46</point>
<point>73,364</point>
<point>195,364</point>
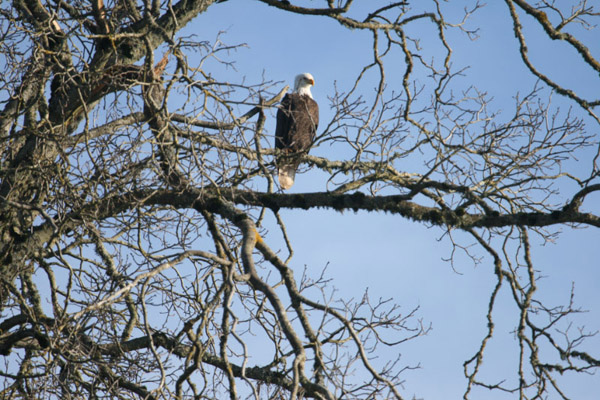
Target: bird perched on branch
<point>297,121</point>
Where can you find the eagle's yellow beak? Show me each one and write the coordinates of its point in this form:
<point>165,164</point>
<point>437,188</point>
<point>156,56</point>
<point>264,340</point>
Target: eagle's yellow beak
<point>312,82</point>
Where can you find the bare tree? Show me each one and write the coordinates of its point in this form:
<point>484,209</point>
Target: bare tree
<point>138,207</point>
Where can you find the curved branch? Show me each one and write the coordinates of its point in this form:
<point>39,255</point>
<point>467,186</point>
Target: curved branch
<point>555,34</point>
<point>518,30</point>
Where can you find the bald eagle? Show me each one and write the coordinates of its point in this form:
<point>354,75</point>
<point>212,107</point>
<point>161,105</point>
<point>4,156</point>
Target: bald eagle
<point>297,121</point>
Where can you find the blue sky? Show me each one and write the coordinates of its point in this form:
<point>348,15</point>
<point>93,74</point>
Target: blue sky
<point>390,256</point>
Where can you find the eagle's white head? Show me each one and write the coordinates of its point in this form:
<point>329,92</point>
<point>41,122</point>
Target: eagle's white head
<point>302,84</point>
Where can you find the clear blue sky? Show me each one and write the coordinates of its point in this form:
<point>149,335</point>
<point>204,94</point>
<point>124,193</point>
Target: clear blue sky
<point>396,258</point>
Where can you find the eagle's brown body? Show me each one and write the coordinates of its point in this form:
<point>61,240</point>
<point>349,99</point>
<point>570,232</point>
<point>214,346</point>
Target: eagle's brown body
<point>297,121</point>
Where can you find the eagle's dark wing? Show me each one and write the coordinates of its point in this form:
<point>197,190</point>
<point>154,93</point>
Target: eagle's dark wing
<point>284,125</point>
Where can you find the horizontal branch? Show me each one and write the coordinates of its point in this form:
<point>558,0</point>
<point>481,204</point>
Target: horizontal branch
<point>337,14</point>
<point>212,200</point>
<point>262,374</point>
<point>230,125</point>
<point>398,204</point>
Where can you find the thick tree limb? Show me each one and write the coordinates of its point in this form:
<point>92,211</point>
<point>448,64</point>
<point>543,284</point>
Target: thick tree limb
<point>211,200</point>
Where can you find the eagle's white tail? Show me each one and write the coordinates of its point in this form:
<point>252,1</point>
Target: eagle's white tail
<point>287,173</point>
